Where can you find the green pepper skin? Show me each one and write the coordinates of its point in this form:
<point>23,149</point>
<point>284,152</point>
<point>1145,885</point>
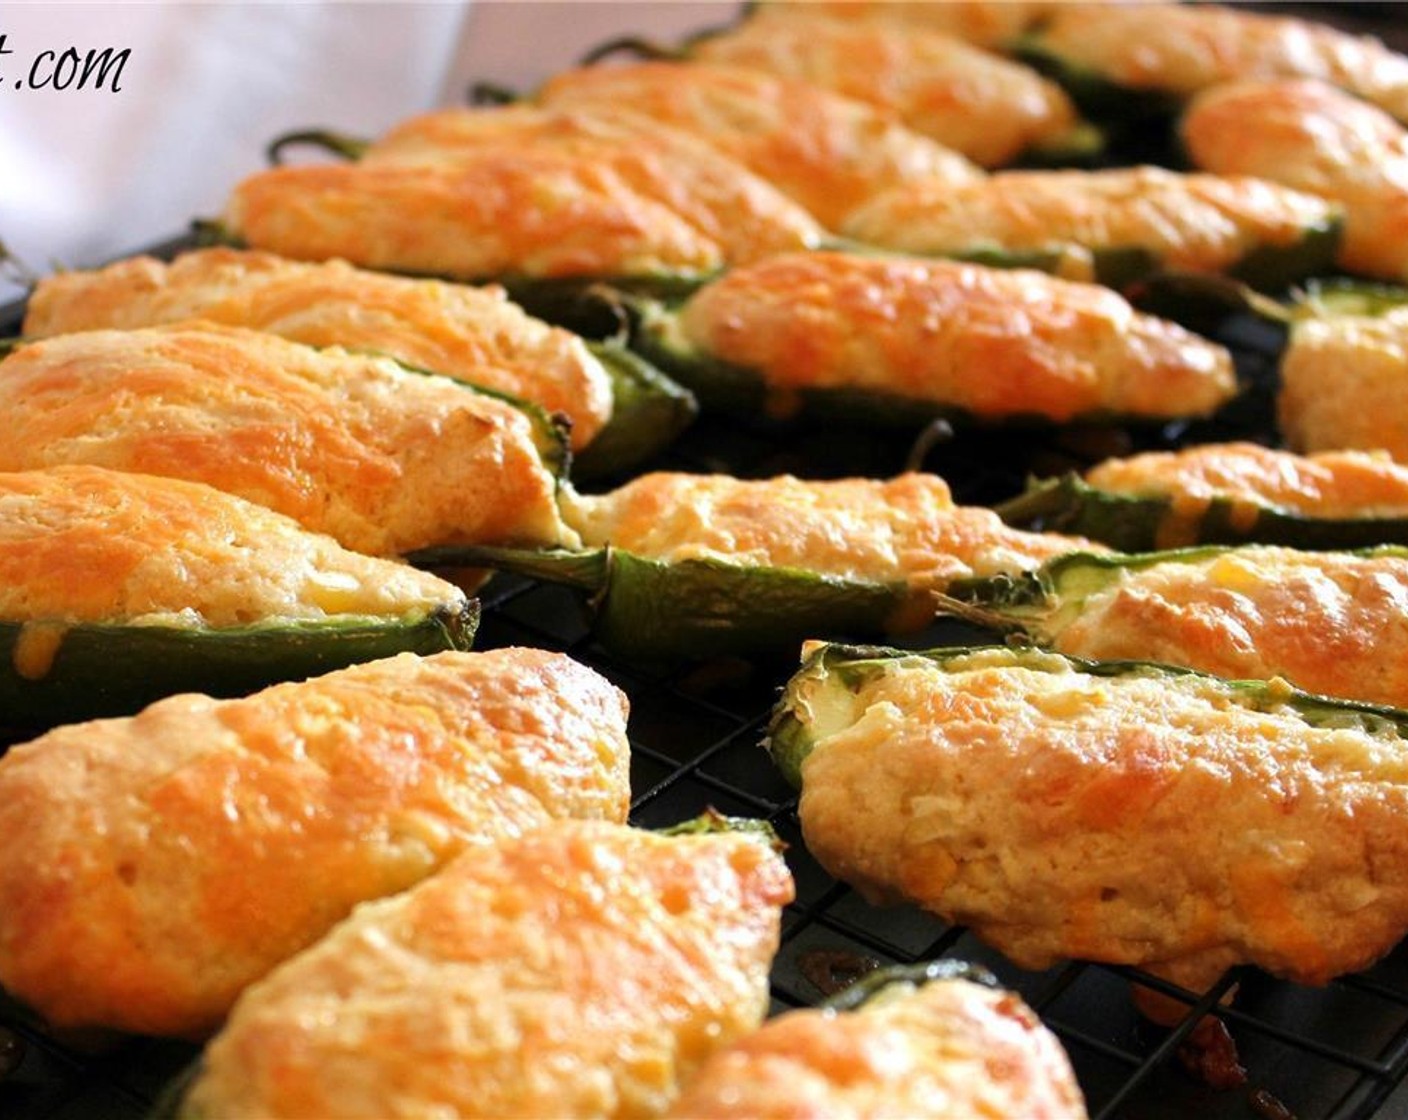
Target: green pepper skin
<point>861,991</point>
<point>1095,95</point>
<point>789,740</point>
<point>648,413</point>
<point>1068,504</point>
<point>112,669</point>
<point>648,610</point>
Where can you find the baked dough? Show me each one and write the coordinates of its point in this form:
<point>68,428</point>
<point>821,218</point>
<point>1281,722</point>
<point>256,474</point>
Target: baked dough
<point>583,970</point>
<point>380,458</point>
<point>474,334</point>
<point>977,103</point>
<point>1315,138</point>
<point>995,343</point>
<point>1156,820</point>
<point>828,152</point>
<point>905,529</point>
<point>172,858</point>
<point>948,1049</point>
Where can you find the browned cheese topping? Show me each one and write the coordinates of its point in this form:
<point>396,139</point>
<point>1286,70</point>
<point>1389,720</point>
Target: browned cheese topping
<point>382,459</point>
<point>582,970</point>
<point>175,857</point>
<point>984,106</point>
<point>1202,223</point>
<point>1132,819</point>
<point>1315,138</point>
<point>471,333</point>
<point>994,343</point>
<point>828,152</point>
<point>949,1049</point>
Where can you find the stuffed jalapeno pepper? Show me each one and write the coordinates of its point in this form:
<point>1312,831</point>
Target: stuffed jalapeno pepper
<point>1117,812</point>
<point>1116,226</point>
<point>1316,138</point>
<point>172,858</point>
<point>938,1040</point>
<point>382,458</point>
<point>901,340</point>
<point>826,151</point>
<point>681,567</point>
<point>473,334</point>
<point>1224,493</point>
<point>584,969</point>
<point>117,589</point>
<point>1329,622</point>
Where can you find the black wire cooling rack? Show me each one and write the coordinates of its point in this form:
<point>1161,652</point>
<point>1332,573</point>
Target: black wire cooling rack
<point>1338,1052</point>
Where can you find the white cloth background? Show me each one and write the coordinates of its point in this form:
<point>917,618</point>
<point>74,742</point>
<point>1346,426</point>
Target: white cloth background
<point>88,175</point>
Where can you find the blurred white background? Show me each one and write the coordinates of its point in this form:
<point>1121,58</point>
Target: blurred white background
<point>92,174</point>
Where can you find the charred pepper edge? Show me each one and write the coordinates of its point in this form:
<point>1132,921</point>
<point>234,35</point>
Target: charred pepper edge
<point>1134,523</point>
<point>110,669</point>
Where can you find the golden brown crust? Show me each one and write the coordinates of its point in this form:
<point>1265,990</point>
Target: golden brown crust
<point>176,856</point>
<point>828,152</point>
<point>1186,48</point>
<point>1329,622</point>
<point>1333,484</point>
<point>981,105</point>
<point>905,529</point>
<point>1128,819</point>
<point>542,214</point>
<point>994,343</point>
<point>84,544</point>
<point>729,207</point>
<point>381,459</point>
<point>1203,223</point>
<point>982,22</point>
<point>583,970</point>
<point>1315,138</point>
<point>1343,384</point>
<point>949,1049</point>
<point>472,333</point>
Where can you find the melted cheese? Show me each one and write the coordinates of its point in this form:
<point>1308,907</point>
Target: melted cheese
<point>471,333</point>
<point>949,1049</point>
<point>981,105</point>
<point>83,544</point>
<point>1184,49</point>
<point>501,213</point>
<point>583,970</point>
<point>1132,819</point>
<point>829,153</point>
<point>905,529</point>
<point>1343,384</point>
<point>1315,138</point>
<point>383,460</point>
<point>174,857</point>
<point>1329,622</point>
<point>1334,484</point>
<point>995,343</point>
<point>719,199</point>
<point>1197,222</point>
